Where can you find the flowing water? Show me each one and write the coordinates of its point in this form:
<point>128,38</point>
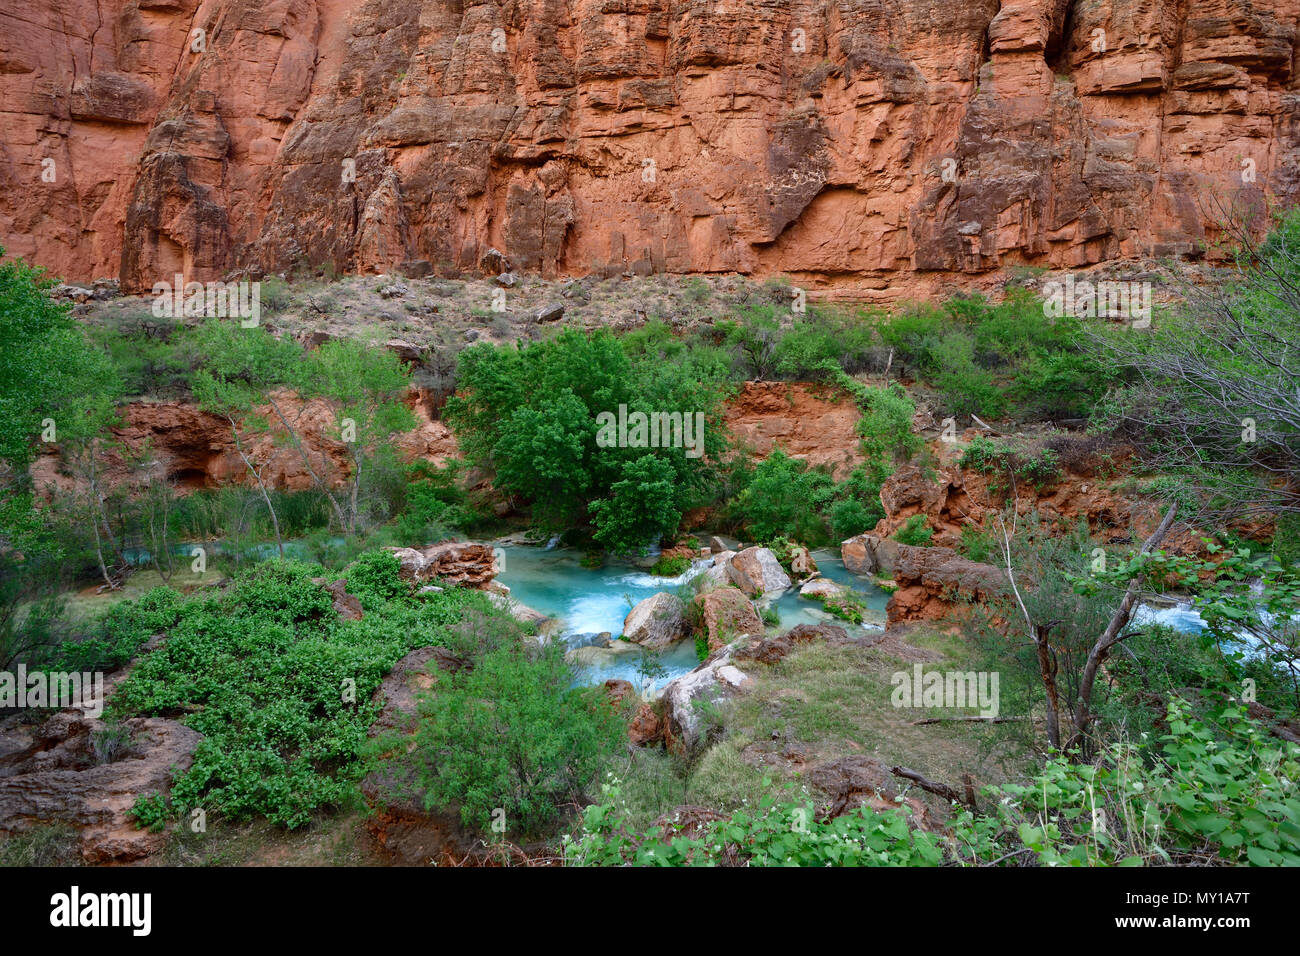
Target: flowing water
<point>1185,618</point>
<point>592,601</point>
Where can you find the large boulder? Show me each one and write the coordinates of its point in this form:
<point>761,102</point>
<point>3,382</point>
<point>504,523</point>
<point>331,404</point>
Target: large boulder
<point>646,727</point>
<point>930,579</point>
<point>53,775</point>
<point>720,543</point>
<point>656,622</point>
<point>821,588</point>
<point>757,571</point>
<point>726,613</point>
<point>714,576</point>
<point>687,699</point>
<point>870,554</point>
<point>455,562</point>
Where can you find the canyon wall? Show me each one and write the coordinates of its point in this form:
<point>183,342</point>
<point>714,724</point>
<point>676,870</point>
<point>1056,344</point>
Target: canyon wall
<point>865,147</point>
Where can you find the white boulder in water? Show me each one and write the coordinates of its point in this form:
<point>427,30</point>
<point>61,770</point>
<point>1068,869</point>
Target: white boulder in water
<point>820,589</point>
<point>656,622</point>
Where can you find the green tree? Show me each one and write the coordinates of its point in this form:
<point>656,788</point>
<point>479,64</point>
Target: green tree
<point>42,352</point>
<point>530,414</point>
<point>640,509</point>
<point>784,499</point>
<point>367,385</point>
<point>543,455</point>
<point>53,383</point>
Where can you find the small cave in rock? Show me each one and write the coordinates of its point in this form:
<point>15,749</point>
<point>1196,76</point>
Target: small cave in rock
<point>188,478</point>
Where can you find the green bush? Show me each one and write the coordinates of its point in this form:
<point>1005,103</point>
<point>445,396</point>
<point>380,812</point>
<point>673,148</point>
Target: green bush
<point>535,416</point>
<point>915,531</point>
<point>1039,468</point>
<point>278,685</point>
<point>976,544</point>
<point>114,638</point>
<point>784,499</point>
<point>995,359</point>
<point>434,507</point>
<point>513,736</point>
<point>671,567</point>
<point>967,388</point>
<point>850,517</point>
<point>1217,792</point>
<point>641,507</point>
<point>770,834</point>
<point>826,337</point>
<point>373,579</point>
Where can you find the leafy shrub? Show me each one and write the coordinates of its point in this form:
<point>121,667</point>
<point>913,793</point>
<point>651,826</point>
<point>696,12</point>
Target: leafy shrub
<point>886,426</point>
<point>671,566</point>
<point>1038,468</point>
<point>967,389</point>
<point>535,416</point>
<point>151,812</point>
<point>701,647</point>
<point>374,579</point>
<point>993,359</point>
<point>915,531</point>
<point>280,687</point>
<point>1214,792</point>
<point>641,507</point>
<point>784,499</point>
<point>845,606</point>
<point>826,338</point>
<point>849,517</point>
<point>115,638</point>
<point>976,544</point>
<point>434,508</point>
<point>513,735</point>
<point>771,834</point>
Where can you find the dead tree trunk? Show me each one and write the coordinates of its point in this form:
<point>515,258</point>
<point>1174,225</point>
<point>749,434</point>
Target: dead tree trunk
<point>1113,634</point>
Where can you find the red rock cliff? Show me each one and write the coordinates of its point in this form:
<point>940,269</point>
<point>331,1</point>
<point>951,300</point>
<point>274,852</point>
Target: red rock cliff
<point>859,145</point>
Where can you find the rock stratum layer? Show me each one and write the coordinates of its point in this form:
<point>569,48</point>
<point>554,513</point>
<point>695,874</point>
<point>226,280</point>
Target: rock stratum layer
<point>862,146</point>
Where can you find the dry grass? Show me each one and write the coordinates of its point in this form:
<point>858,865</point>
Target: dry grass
<point>822,703</point>
<point>330,840</point>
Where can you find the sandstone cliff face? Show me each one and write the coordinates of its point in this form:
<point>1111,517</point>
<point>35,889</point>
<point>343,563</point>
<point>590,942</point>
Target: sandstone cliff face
<point>866,147</point>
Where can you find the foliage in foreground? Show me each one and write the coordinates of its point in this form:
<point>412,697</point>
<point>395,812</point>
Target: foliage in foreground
<point>279,686</point>
<point>772,834</point>
<point>511,742</point>
<point>1211,792</point>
